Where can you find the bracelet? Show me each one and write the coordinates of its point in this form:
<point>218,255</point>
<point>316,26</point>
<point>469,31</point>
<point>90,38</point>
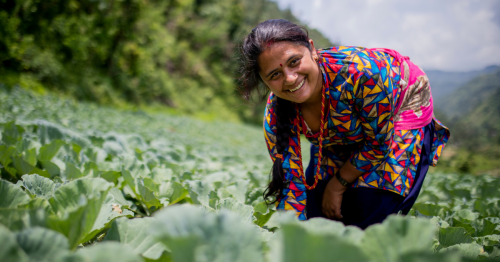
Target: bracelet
<point>341,180</point>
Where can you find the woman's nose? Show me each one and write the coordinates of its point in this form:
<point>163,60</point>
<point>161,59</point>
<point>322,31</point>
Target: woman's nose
<point>290,77</point>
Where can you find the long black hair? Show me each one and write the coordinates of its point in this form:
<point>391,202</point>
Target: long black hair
<point>263,35</point>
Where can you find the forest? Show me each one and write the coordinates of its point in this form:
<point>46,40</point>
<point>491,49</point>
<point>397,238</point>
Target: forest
<point>178,55</point>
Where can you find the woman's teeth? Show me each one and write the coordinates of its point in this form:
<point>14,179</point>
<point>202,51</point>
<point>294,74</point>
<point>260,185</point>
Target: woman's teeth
<point>298,87</point>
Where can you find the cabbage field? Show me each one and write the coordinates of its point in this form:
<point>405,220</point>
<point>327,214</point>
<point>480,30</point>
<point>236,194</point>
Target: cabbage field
<point>82,182</point>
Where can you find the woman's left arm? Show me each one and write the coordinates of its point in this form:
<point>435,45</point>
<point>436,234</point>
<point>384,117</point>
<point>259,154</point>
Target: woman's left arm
<point>373,105</point>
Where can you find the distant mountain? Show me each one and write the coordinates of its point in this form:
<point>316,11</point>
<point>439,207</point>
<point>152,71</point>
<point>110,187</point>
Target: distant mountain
<point>472,112</point>
<point>486,115</point>
<point>478,92</point>
<point>444,83</point>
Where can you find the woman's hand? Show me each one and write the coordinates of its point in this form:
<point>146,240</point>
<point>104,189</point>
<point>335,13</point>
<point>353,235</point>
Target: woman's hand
<point>334,191</point>
<point>332,199</point>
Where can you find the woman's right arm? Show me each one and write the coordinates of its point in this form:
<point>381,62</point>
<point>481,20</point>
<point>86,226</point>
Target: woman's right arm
<point>294,193</point>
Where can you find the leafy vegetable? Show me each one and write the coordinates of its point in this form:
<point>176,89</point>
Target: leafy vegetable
<point>101,189</point>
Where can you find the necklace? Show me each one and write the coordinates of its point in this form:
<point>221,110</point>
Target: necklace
<point>320,141</point>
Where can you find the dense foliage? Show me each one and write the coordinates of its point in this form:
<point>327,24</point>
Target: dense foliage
<point>87,183</point>
<point>177,53</point>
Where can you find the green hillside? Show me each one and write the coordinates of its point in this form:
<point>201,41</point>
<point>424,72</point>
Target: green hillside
<point>486,116</point>
<point>445,83</point>
<point>471,95</point>
<point>176,54</point>
<point>472,113</point>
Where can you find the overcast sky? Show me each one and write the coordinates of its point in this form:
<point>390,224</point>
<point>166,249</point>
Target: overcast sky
<point>450,35</point>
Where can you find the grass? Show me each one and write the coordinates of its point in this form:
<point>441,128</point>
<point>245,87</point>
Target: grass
<point>483,160</point>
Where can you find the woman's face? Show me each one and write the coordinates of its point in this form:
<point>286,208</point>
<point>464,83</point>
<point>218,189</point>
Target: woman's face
<point>291,72</point>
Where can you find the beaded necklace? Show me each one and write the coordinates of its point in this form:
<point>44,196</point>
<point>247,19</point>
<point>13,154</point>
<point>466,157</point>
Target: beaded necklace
<point>320,141</point>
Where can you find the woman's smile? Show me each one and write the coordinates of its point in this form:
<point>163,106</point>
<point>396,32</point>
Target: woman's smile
<point>298,87</point>
<point>290,71</point>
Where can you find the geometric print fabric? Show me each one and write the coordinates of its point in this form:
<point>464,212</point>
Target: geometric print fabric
<point>361,90</point>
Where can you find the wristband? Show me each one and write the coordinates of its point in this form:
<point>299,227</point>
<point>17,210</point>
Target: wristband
<point>341,180</point>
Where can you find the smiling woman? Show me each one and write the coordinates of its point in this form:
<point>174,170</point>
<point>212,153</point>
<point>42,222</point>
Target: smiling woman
<point>367,112</point>
<point>291,72</point>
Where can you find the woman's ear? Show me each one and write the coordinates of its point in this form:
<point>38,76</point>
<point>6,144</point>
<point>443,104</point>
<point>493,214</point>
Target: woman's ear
<point>313,50</point>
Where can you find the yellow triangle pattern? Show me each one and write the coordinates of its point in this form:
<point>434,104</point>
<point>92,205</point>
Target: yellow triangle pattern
<point>288,206</point>
<point>376,89</point>
<point>383,116</point>
<point>346,111</point>
<point>367,63</point>
<point>332,75</point>
<point>403,146</point>
<point>358,122</point>
<point>388,168</point>
<point>366,91</point>
<point>271,144</point>
<point>336,121</point>
<point>394,176</point>
<point>385,101</point>
<point>357,59</point>
<point>293,165</point>
<point>347,125</point>
<point>367,126</point>
<point>360,67</point>
<point>360,157</point>
<point>349,80</point>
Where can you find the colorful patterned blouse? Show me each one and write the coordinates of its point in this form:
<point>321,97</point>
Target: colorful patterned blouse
<point>365,95</point>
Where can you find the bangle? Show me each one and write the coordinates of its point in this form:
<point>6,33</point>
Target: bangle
<point>341,180</point>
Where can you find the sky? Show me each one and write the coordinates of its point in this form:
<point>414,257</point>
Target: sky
<point>448,35</point>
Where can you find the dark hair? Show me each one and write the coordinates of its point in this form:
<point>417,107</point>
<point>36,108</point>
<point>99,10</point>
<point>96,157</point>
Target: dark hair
<point>263,35</point>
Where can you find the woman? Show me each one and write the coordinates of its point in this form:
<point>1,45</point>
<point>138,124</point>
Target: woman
<point>367,112</point>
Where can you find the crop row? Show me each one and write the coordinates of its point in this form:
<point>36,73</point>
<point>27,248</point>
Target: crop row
<point>87,183</point>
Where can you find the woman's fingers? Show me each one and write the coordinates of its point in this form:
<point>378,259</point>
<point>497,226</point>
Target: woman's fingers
<point>332,200</point>
<point>329,213</point>
<point>337,207</point>
<point>331,207</point>
<point>325,205</point>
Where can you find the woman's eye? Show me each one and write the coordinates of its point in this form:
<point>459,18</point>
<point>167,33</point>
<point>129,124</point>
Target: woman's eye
<point>294,62</point>
<point>274,75</point>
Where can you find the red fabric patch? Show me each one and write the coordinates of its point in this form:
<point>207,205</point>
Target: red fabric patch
<point>352,69</point>
<point>342,129</point>
<point>353,138</point>
<point>344,118</point>
<point>370,82</point>
<point>382,108</point>
<point>293,186</point>
<point>368,108</point>
<point>387,177</point>
<point>298,207</point>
